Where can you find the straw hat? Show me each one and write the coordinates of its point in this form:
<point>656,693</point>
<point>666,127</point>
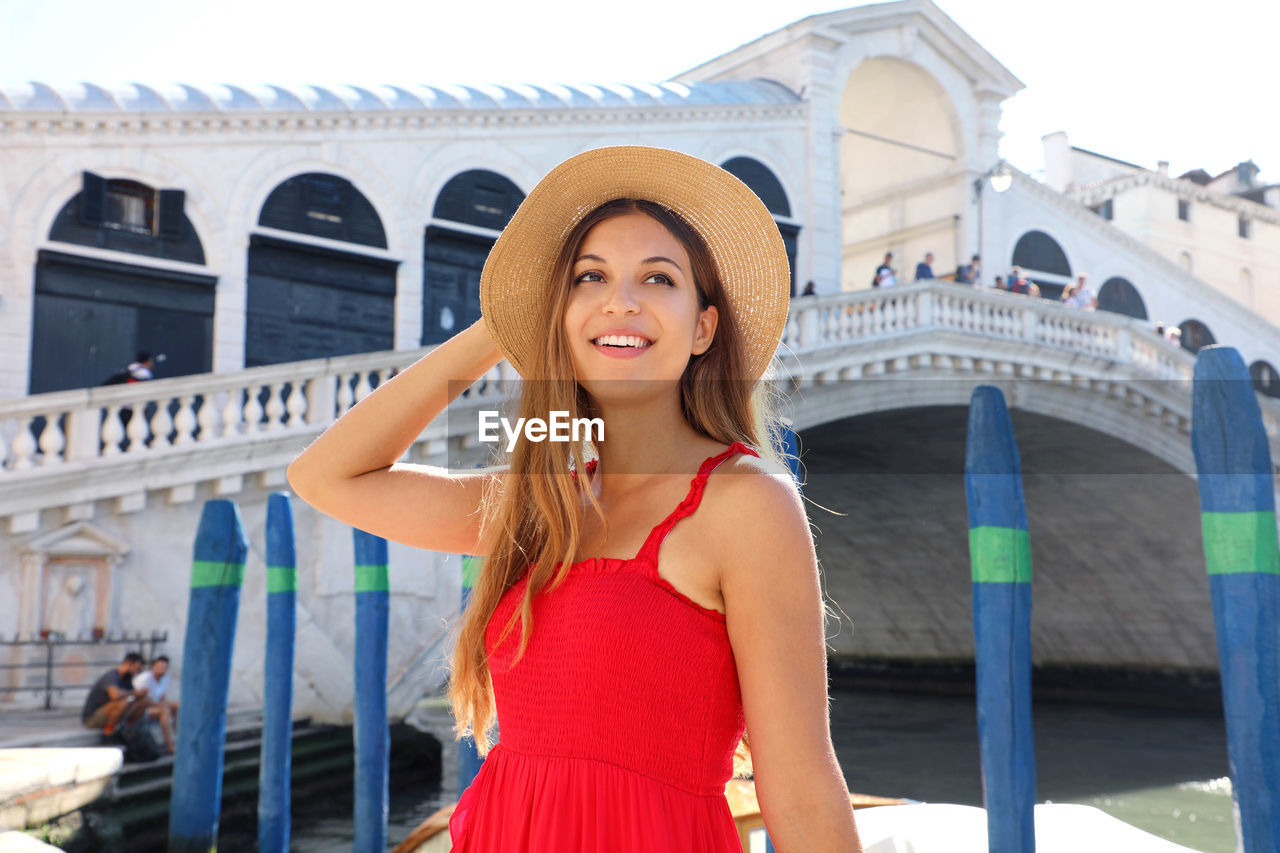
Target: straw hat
<point>743,238</point>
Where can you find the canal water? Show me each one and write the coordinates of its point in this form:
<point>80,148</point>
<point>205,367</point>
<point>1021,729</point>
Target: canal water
<point>1163,771</point>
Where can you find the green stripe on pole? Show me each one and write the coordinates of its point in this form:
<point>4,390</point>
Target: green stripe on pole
<point>282,579</point>
<point>207,573</point>
<point>1240,543</point>
<point>1000,555</point>
<point>372,579</point>
<point>470,569</point>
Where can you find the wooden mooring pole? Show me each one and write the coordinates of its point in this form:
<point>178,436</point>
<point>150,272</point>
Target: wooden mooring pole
<point>1000,559</point>
<point>1238,521</point>
<point>217,573</point>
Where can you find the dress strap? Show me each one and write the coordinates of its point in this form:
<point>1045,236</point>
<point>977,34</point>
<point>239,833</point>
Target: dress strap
<point>649,550</point>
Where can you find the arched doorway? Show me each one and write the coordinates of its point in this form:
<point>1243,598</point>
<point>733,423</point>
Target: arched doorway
<point>1043,261</point>
<point>1265,378</point>
<point>470,212</point>
<point>1121,297</point>
<point>900,154</point>
<point>93,314</point>
<point>1195,335</point>
<point>765,184</point>
<point>315,301</point>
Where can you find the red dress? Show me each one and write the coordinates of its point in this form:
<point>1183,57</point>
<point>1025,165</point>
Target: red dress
<point>618,725</point>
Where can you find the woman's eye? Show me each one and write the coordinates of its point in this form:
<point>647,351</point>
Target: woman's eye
<point>588,276</point>
<point>659,278</point>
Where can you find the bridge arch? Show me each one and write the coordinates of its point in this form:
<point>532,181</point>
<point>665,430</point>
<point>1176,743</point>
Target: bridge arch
<point>1195,335</point>
<point>765,184</point>
<point>1118,295</point>
<point>1043,261</point>
<point>93,313</point>
<point>469,213</point>
<point>897,169</point>
<point>310,299</point>
<point>1265,378</point>
<point>1114,536</point>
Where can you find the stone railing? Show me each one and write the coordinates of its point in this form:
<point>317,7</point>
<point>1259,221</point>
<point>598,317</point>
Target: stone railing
<point>150,419</point>
<point>75,447</point>
<point>819,323</point>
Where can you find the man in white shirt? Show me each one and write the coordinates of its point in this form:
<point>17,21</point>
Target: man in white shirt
<point>156,682</point>
<point>1082,297</point>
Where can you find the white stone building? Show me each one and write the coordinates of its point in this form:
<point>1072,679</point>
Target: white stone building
<point>234,227</point>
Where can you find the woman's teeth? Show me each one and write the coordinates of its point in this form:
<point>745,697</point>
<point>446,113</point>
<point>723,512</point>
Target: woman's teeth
<point>621,341</point>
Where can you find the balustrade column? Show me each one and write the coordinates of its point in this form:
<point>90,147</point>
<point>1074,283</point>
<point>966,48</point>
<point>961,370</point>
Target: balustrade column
<point>82,433</point>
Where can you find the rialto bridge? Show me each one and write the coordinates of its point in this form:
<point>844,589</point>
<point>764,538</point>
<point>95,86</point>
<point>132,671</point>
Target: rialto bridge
<point>877,384</point>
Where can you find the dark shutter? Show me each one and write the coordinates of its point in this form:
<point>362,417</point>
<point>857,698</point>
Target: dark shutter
<point>93,199</point>
<point>170,215</point>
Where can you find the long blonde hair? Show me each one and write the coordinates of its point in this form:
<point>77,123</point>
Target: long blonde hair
<point>530,515</point>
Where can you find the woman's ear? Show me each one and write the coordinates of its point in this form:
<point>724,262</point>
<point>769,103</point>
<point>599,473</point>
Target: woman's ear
<point>705,332</point>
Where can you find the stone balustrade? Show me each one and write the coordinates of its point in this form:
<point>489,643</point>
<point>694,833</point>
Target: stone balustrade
<point>71,448</point>
<point>818,323</point>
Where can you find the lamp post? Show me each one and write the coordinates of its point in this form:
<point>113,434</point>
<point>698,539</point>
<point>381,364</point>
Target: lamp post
<point>1001,178</point>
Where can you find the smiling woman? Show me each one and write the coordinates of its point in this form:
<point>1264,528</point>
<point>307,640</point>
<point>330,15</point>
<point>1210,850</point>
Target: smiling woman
<point>645,289</point>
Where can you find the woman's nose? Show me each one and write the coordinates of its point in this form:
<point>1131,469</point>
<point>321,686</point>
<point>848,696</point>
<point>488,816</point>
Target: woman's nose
<point>621,299</point>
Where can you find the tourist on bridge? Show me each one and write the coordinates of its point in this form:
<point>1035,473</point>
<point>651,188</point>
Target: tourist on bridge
<point>924,269</point>
<point>885,275</point>
<point>1018,284</point>
<point>113,697</point>
<point>649,290</point>
<point>1079,295</point>
<point>970,273</point>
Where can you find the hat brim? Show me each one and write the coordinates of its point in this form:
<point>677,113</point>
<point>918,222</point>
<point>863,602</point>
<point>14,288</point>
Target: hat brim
<point>739,230</point>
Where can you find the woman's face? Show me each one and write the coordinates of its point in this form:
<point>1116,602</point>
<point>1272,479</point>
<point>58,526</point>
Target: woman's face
<point>633,312</point>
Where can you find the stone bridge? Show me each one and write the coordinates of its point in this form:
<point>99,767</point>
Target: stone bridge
<point>878,384</point>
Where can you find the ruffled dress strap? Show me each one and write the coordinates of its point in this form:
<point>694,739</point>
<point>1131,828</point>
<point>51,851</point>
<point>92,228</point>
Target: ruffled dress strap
<point>649,550</point>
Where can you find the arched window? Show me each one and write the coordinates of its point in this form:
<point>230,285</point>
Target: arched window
<point>1265,378</point>
<point>1120,296</point>
<point>323,206</point>
<point>472,209</point>
<point>92,315</point>
<point>766,185</point>
<point>308,301</point>
<point>128,216</point>
<point>1043,261</point>
<point>1195,335</point>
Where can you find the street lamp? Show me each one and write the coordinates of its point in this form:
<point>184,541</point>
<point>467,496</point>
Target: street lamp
<point>1001,178</point>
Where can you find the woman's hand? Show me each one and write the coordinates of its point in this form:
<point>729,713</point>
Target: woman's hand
<point>351,473</point>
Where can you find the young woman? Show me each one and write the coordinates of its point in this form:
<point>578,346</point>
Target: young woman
<point>632,624</point>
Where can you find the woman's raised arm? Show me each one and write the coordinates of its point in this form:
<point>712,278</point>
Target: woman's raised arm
<point>350,472</point>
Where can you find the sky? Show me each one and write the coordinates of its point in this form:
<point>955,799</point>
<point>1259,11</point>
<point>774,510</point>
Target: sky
<point>1140,80</point>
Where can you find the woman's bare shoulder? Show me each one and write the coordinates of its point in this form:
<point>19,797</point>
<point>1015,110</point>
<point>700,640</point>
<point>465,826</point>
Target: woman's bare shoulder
<point>746,487</point>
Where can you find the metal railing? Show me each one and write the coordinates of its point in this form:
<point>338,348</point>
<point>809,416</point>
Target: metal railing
<point>144,645</point>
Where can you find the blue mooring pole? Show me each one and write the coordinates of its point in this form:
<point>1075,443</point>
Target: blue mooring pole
<point>372,735</point>
<point>1238,521</point>
<point>469,759</point>
<point>1000,557</point>
<point>217,571</point>
<point>277,671</point>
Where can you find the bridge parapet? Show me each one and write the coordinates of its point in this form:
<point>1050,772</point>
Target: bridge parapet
<point>860,317</point>
<point>117,442</point>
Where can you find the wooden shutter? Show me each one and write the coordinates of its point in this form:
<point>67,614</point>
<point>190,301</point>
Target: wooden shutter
<point>170,215</point>
<point>93,199</point>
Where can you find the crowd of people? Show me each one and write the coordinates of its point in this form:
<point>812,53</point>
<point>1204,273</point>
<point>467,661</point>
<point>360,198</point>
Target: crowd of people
<point>1077,294</point>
